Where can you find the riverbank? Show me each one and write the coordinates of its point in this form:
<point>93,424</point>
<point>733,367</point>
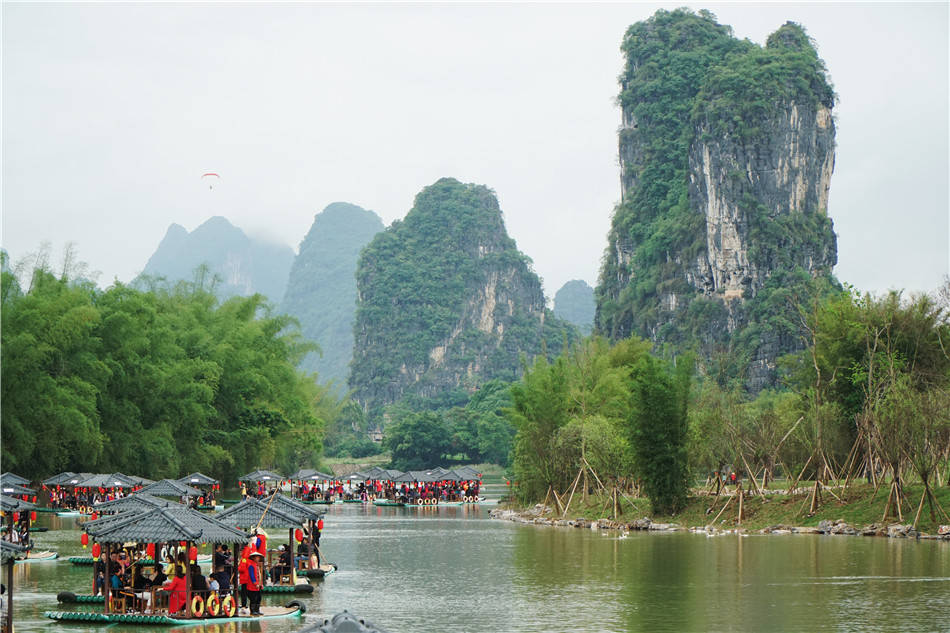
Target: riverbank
<point>856,511</point>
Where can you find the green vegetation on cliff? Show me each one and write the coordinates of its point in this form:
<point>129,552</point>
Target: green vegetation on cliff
<point>321,289</point>
<point>706,246</point>
<point>446,301</point>
<point>158,383</point>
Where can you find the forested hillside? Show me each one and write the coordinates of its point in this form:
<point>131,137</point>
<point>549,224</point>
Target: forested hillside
<point>727,150</point>
<point>574,303</point>
<point>321,290</point>
<point>239,265</point>
<point>446,301</point>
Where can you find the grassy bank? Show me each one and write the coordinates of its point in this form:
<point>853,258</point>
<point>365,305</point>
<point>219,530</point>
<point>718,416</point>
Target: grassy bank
<point>859,506</point>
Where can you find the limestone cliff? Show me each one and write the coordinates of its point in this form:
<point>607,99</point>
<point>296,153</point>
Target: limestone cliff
<point>321,289</point>
<point>727,151</point>
<point>242,265</point>
<point>574,303</point>
<point>446,301</point>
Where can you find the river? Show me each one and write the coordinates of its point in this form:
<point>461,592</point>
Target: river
<point>453,569</point>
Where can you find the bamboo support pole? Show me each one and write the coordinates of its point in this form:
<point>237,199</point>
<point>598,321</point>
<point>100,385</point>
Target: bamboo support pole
<point>573,488</point>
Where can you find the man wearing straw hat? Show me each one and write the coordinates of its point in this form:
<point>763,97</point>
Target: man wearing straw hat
<point>254,581</point>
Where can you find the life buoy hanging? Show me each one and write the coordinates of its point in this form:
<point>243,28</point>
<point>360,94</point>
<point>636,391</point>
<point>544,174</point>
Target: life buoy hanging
<point>197,606</point>
<point>420,501</point>
<point>213,604</point>
<point>228,606</point>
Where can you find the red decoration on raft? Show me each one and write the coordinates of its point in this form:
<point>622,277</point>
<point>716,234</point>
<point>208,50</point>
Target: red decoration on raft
<point>96,550</point>
<point>298,534</point>
<point>32,515</point>
<point>193,553</point>
<point>95,515</point>
<point>16,517</point>
<point>84,539</point>
<point>150,550</point>
<point>320,524</point>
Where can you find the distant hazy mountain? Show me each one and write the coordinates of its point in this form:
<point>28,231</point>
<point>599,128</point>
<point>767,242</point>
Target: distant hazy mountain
<point>574,303</point>
<point>245,265</point>
<point>321,290</point>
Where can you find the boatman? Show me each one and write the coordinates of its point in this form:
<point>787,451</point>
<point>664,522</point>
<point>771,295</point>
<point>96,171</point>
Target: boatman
<point>243,564</point>
<point>254,582</point>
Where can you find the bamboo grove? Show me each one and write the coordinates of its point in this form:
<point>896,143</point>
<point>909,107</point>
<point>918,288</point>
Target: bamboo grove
<point>156,381</point>
<point>866,400</point>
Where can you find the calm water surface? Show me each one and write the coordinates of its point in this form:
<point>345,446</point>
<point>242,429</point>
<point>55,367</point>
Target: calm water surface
<point>452,569</point>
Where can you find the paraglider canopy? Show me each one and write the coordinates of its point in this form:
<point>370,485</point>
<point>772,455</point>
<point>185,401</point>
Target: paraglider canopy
<point>211,177</point>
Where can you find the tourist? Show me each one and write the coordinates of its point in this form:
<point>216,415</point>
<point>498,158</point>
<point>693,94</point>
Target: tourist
<point>254,582</point>
<point>176,591</point>
<point>243,565</point>
<point>99,575</point>
<point>141,586</point>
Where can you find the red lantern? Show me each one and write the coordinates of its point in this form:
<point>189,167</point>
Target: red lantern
<point>193,553</point>
<point>84,539</point>
<point>150,550</point>
<point>34,498</point>
<point>183,543</point>
<point>95,515</point>
<point>96,550</point>
<point>320,524</point>
<point>16,517</point>
<point>201,501</point>
<point>298,534</point>
<point>32,515</point>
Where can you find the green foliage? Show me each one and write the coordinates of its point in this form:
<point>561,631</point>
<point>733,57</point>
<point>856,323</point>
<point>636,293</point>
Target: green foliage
<point>158,383</point>
<point>419,331</point>
<point>574,303</point>
<point>659,431</point>
<point>417,440</point>
<point>572,409</point>
<point>686,74</point>
<point>321,289</point>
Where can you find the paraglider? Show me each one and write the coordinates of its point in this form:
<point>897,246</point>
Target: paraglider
<point>211,177</point>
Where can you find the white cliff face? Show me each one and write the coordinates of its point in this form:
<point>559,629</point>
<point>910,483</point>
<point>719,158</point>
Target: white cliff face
<point>736,183</point>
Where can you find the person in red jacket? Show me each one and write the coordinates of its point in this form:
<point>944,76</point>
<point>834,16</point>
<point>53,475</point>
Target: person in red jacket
<point>255,581</point>
<point>176,591</point>
<point>243,564</point>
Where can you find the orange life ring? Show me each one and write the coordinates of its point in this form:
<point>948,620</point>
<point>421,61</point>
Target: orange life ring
<point>372,497</point>
<point>228,606</point>
<point>435,501</point>
<point>420,501</point>
<point>214,604</point>
<point>197,606</point>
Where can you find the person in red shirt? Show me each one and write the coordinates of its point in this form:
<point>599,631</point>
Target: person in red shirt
<point>176,591</point>
<point>243,564</point>
<point>255,581</point>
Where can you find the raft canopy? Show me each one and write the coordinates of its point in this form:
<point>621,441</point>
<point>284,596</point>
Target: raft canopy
<point>355,476</point>
<point>11,478</point>
<point>12,504</point>
<point>11,551</point>
<point>60,479</point>
<point>262,475</point>
<point>159,525</point>
<point>308,474</point>
<point>87,480</point>
<point>248,514</point>
<point>197,479</point>
<point>137,501</point>
<point>170,488</point>
<point>420,476</point>
<point>10,488</point>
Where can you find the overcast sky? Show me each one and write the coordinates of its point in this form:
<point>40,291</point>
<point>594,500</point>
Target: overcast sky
<point>111,113</point>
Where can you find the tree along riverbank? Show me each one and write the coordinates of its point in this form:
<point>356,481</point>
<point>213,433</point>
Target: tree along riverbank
<point>856,510</point>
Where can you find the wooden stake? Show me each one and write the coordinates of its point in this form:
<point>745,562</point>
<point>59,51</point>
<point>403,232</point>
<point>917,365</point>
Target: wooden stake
<point>573,488</point>
<point>726,505</point>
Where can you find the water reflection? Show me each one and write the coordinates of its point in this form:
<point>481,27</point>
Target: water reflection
<point>451,569</point>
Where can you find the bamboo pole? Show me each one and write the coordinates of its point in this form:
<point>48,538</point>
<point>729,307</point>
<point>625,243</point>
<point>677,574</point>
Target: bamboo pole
<point>573,488</point>
<point>725,505</point>
<point>741,494</point>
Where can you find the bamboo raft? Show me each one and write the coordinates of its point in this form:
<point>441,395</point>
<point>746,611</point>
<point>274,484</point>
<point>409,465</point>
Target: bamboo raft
<point>137,618</point>
<point>89,560</point>
<point>68,597</point>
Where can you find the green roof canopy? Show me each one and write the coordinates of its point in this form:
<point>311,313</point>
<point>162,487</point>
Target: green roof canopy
<point>165,524</point>
<point>170,488</point>
<point>197,479</point>
<point>12,504</point>
<point>262,475</point>
<point>248,513</point>
<point>14,479</point>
